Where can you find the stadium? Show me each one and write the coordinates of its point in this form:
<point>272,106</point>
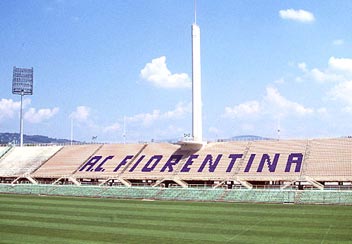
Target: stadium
<point>178,193</point>
<point>192,191</point>
<point>222,167</point>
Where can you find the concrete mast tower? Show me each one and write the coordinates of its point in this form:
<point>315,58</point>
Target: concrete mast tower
<point>197,130</point>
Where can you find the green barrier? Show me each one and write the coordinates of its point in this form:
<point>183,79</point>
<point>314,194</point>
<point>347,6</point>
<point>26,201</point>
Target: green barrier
<point>186,194</point>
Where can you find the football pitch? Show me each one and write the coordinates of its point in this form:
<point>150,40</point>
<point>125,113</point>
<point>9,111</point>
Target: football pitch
<point>48,219</point>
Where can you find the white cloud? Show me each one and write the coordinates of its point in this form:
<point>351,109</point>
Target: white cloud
<point>157,73</point>
<point>34,116</point>
<point>242,110</point>
<point>342,64</point>
<point>318,75</point>
<point>282,105</point>
<point>148,118</point>
<point>297,15</point>
<point>180,109</point>
<point>326,76</point>
<point>81,114</point>
<point>338,42</point>
<point>112,128</point>
<point>339,70</point>
<point>303,67</point>
<point>8,107</point>
<point>145,118</point>
<point>342,92</point>
<point>273,103</point>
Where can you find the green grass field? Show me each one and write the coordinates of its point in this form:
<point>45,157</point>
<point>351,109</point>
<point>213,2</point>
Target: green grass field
<point>43,219</point>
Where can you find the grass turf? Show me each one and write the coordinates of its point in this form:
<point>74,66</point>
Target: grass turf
<point>44,219</point>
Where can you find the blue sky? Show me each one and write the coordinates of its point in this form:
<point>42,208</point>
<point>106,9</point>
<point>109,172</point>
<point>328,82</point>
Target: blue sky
<point>265,64</point>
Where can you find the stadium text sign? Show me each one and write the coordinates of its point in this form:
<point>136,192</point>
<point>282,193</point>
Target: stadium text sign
<point>207,163</point>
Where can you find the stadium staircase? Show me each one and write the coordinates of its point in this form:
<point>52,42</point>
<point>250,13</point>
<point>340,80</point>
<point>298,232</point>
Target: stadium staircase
<point>314,182</point>
<point>93,153</point>
<point>245,184</point>
<point>186,152</point>
<point>71,177</point>
<point>245,153</point>
<point>287,184</point>
<point>4,150</point>
<point>305,160</point>
<point>125,181</point>
<point>50,157</point>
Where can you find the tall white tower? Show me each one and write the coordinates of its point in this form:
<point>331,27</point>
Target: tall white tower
<point>197,131</point>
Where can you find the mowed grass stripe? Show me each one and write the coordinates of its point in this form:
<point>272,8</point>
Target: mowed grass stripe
<point>273,221</point>
<point>230,219</point>
<point>219,208</point>
<point>236,209</point>
<point>15,238</point>
<point>211,224</point>
<point>248,235</point>
<point>158,226</point>
<point>173,226</point>
<point>114,232</point>
<point>46,235</point>
<point>263,213</point>
<point>239,209</point>
<point>127,204</point>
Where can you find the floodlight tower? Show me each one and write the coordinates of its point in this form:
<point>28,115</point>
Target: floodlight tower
<point>197,132</point>
<point>22,84</point>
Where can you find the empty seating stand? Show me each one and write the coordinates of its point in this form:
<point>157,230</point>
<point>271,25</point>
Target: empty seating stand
<point>66,161</point>
<point>104,163</point>
<point>330,159</point>
<point>24,160</point>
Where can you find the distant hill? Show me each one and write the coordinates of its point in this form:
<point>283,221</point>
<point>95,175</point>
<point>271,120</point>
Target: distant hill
<point>249,138</point>
<point>234,138</point>
<point>246,138</point>
<point>14,138</point>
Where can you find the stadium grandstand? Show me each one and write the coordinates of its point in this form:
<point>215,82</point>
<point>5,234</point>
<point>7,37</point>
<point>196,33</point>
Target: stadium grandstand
<point>217,168</point>
<point>317,163</point>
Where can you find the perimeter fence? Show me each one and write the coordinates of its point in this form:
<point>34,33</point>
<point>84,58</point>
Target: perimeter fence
<point>340,197</point>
